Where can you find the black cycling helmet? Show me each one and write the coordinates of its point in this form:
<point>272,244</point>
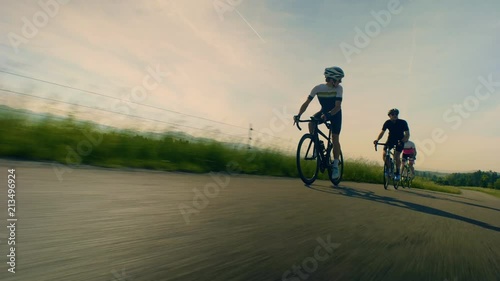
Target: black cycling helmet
<point>394,111</point>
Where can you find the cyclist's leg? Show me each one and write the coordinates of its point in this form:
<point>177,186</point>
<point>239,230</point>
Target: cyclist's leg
<point>336,128</point>
<point>397,160</point>
<point>412,168</point>
<point>317,115</point>
<point>388,145</point>
<point>336,147</point>
<point>404,158</point>
<point>383,156</point>
<point>397,157</point>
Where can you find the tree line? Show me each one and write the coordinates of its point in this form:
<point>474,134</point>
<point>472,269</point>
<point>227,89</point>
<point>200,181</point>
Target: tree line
<point>487,179</point>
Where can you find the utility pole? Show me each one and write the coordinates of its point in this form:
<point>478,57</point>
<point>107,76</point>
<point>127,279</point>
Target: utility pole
<point>250,129</point>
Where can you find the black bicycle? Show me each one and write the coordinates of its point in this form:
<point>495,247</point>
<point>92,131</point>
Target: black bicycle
<point>389,176</point>
<point>313,156</point>
<point>406,174</point>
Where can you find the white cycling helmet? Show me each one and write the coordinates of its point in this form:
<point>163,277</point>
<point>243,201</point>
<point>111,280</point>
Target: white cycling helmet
<point>334,72</point>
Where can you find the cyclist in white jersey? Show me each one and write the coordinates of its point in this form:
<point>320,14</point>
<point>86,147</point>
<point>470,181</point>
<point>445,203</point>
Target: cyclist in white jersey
<point>330,97</point>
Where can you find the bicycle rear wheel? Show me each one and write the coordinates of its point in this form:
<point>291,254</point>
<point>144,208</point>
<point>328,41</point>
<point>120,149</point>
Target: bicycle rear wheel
<point>307,160</point>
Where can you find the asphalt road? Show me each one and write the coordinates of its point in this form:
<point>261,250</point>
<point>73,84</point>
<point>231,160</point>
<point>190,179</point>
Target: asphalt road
<point>133,225</point>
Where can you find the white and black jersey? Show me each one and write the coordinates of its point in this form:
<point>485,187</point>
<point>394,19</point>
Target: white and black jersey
<point>327,96</point>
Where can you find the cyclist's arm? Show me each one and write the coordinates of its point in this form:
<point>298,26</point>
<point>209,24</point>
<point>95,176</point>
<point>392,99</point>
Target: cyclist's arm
<point>336,108</point>
<point>406,132</point>
<point>338,100</point>
<point>382,132</point>
<point>406,137</point>
<point>304,106</point>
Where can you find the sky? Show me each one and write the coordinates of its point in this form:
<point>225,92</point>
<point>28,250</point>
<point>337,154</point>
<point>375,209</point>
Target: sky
<point>217,68</point>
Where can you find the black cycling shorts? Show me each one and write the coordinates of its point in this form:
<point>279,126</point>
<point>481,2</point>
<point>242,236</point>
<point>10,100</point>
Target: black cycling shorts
<point>336,121</point>
<point>391,143</point>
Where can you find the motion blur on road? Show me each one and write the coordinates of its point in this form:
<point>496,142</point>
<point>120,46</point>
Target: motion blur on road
<point>107,224</point>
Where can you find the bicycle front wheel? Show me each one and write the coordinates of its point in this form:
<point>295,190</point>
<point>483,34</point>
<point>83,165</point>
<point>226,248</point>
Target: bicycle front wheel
<point>410,179</point>
<point>395,182</point>
<point>307,159</point>
<point>405,177</point>
<point>387,176</point>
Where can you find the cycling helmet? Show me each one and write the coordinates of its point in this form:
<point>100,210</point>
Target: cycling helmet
<point>334,72</point>
<point>393,111</point>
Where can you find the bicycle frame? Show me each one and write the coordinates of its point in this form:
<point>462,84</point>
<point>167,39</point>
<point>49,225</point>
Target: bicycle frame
<point>389,154</point>
<point>316,134</point>
<point>407,174</point>
<point>389,164</point>
<point>407,164</point>
<point>324,158</point>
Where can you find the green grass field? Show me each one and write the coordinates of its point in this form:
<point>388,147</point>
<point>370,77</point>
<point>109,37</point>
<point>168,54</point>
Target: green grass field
<point>74,143</point>
<point>490,191</point>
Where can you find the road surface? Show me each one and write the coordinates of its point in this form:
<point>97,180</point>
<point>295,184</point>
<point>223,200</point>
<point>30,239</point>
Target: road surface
<point>86,223</point>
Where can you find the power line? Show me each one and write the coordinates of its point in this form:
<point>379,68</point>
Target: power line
<point>115,98</point>
<point>145,105</point>
<point>291,150</point>
<point>62,118</point>
<point>100,109</point>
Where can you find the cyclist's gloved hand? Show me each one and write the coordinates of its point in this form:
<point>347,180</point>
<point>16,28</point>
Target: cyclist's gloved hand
<point>296,118</point>
<point>375,141</point>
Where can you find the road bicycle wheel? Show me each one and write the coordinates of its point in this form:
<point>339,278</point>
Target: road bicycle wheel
<point>393,178</point>
<point>330,166</point>
<point>410,179</point>
<point>387,175</point>
<point>405,177</point>
<point>307,160</point>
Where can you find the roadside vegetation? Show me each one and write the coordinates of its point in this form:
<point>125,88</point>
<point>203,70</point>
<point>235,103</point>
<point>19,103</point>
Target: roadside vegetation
<point>71,142</point>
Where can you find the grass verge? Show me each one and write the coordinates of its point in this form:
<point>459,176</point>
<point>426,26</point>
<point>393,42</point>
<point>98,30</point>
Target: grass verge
<point>490,191</point>
<point>430,185</point>
<point>72,143</point>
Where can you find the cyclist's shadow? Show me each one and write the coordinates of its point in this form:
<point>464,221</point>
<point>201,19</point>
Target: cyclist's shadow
<point>451,200</point>
<point>370,195</point>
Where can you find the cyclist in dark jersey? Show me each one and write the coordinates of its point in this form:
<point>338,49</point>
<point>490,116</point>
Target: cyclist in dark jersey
<point>330,98</point>
<point>399,133</point>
